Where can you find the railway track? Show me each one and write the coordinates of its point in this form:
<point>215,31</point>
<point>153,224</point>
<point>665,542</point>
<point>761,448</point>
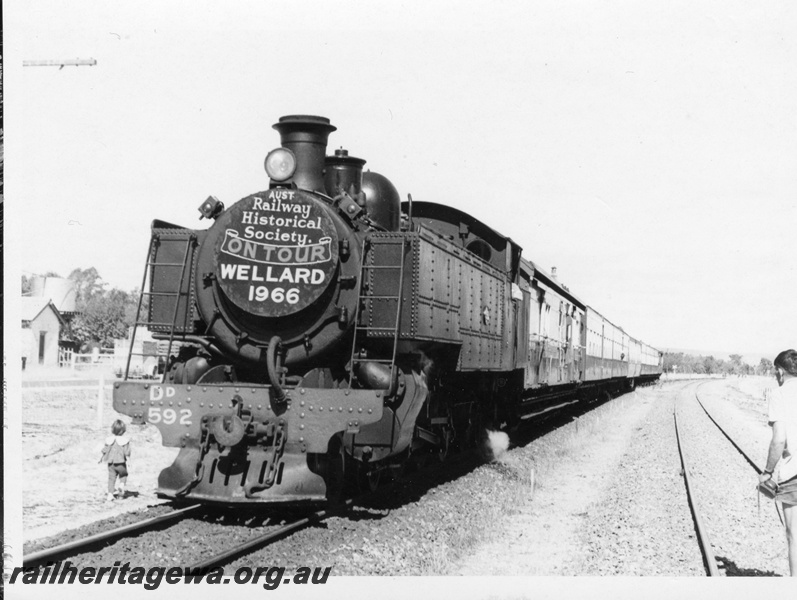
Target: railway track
<point>41,557</point>
<point>260,541</point>
<point>713,568</point>
<point>100,540</point>
<point>253,543</point>
<point>429,475</point>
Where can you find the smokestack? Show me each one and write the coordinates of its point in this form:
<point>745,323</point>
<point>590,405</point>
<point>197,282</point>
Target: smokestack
<point>306,136</point>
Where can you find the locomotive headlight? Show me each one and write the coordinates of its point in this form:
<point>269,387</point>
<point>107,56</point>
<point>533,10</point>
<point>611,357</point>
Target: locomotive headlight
<point>280,164</point>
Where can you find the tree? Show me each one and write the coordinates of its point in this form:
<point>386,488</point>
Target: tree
<point>736,363</point>
<point>88,284</point>
<point>765,367</point>
<point>104,317</point>
<point>103,314</point>
<point>673,359</point>
<point>711,365</point>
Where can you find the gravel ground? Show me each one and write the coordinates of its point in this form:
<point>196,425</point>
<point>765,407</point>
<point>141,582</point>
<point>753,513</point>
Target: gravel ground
<point>407,529</point>
<point>600,495</point>
<point>64,486</point>
<point>642,524</point>
<point>745,541</point>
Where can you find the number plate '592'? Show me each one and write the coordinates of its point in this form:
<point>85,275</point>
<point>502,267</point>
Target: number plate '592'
<point>168,416</point>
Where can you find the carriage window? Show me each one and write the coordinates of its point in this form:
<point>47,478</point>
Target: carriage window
<point>545,319</point>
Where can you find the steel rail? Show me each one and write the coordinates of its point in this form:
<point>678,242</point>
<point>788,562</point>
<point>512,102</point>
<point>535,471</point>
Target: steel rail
<point>702,533</point>
<point>262,540</point>
<point>752,463</point>
<point>41,556</point>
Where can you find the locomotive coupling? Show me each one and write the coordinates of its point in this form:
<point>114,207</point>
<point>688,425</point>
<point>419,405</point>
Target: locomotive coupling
<point>228,430</point>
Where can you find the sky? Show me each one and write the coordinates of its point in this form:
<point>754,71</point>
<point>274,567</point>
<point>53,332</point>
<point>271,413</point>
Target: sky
<point>647,150</point>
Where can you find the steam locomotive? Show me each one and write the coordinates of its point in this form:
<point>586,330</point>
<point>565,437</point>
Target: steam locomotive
<point>322,330</point>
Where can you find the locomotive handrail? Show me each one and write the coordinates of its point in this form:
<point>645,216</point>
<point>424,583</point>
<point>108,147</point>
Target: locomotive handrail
<point>271,366</point>
<point>188,245</point>
<point>392,386</point>
<point>138,308</point>
<point>149,263</point>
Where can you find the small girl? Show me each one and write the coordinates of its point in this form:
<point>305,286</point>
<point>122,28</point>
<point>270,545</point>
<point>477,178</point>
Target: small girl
<point>115,454</point>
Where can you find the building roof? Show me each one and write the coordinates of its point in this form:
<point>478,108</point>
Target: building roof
<point>31,307</point>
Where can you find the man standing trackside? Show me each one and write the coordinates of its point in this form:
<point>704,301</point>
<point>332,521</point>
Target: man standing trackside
<point>783,420</point>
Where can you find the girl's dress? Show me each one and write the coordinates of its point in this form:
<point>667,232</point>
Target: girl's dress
<point>115,453</point>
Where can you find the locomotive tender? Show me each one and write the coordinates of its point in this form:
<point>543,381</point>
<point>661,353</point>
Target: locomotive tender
<point>321,327</point>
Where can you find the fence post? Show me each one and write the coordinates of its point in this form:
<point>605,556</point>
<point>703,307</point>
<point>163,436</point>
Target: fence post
<point>100,400</point>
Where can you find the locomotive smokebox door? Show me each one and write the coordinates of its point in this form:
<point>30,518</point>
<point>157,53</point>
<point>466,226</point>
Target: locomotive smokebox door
<point>278,253</point>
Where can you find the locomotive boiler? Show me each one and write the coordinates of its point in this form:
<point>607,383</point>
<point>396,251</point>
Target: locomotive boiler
<point>322,330</point>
